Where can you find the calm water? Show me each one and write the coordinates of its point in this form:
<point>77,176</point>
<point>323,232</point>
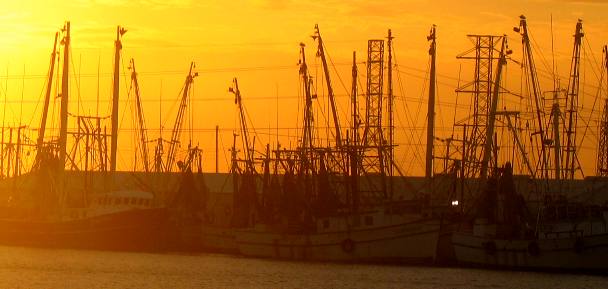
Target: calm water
<point>43,268</point>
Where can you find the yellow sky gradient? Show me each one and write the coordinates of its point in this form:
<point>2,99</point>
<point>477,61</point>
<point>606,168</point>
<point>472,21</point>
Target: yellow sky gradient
<point>257,41</point>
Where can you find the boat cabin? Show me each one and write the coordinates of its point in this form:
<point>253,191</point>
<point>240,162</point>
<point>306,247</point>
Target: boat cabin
<point>125,200</point>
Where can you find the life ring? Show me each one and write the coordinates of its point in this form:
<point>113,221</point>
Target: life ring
<point>533,249</point>
<point>579,245</point>
<point>210,217</point>
<point>227,211</point>
<point>489,247</point>
<point>348,246</point>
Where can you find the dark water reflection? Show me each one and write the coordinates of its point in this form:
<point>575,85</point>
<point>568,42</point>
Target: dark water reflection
<point>44,268</point>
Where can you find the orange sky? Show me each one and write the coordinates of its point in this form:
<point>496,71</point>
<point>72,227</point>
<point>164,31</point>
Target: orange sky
<point>257,41</point>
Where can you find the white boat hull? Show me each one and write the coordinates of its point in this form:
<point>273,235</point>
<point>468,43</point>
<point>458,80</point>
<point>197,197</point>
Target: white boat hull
<point>218,239</point>
<point>412,242</point>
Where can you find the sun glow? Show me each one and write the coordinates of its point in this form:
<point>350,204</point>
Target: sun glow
<point>257,42</point>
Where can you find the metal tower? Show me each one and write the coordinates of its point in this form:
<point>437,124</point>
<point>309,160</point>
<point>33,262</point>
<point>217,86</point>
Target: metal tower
<point>373,138</point>
<point>485,55</point>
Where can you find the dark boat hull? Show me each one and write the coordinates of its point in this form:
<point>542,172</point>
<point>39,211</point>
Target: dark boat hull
<point>535,254</point>
<point>133,230</point>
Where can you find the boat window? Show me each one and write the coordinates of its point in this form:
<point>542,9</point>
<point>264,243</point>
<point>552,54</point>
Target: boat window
<point>133,201</point>
<point>356,221</point>
<point>141,201</point>
<point>325,224</point>
<point>117,201</point>
<point>369,220</point>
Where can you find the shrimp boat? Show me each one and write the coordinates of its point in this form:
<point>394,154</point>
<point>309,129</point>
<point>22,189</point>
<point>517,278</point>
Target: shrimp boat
<point>338,202</point>
<point>557,231</point>
<point>375,236</point>
<point>89,206</point>
<point>566,235</point>
<point>120,220</point>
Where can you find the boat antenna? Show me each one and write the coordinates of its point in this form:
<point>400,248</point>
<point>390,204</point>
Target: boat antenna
<point>553,57</point>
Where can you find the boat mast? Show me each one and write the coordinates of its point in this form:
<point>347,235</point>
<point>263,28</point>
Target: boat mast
<point>63,129</point>
<point>555,114</point>
<point>523,29</point>
<point>492,113</point>
<point>47,96</point>
<point>307,136</point>
<point>330,91</point>
<point>391,127</point>
<point>176,132</point>
<point>602,154</point>
<point>115,97</point>
<point>143,138</point>
<point>572,99</point>
<point>354,157</point>
<point>243,122</point>
<point>430,133</point>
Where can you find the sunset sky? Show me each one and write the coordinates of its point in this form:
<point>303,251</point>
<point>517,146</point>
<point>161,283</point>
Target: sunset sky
<point>258,42</point>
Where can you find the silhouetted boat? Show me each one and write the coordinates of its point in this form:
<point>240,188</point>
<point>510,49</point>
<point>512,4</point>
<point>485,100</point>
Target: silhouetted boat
<point>124,220</point>
<point>375,236</point>
<point>564,236</point>
<point>328,202</point>
<point>88,206</point>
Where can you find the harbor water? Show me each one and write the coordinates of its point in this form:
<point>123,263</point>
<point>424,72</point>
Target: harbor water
<point>58,268</point>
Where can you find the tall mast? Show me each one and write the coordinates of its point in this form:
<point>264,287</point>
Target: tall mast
<point>330,91</point>
<point>355,109</point>
<point>602,154</point>
<point>63,129</point>
<point>177,126</point>
<point>47,96</point>
<point>489,142</point>
<point>143,139</point>
<point>430,130</point>
<point>523,29</point>
<point>244,135</point>
<point>115,97</point>
<point>391,127</point>
<point>555,114</point>
<point>307,138</point>
<point>354,154</point>
<point>572,103</point>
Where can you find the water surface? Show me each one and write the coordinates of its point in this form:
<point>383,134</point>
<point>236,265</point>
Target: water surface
<point>56,268</point>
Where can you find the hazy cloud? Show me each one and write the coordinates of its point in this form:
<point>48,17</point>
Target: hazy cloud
<point>153,4</point>
<point>585,2</point>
